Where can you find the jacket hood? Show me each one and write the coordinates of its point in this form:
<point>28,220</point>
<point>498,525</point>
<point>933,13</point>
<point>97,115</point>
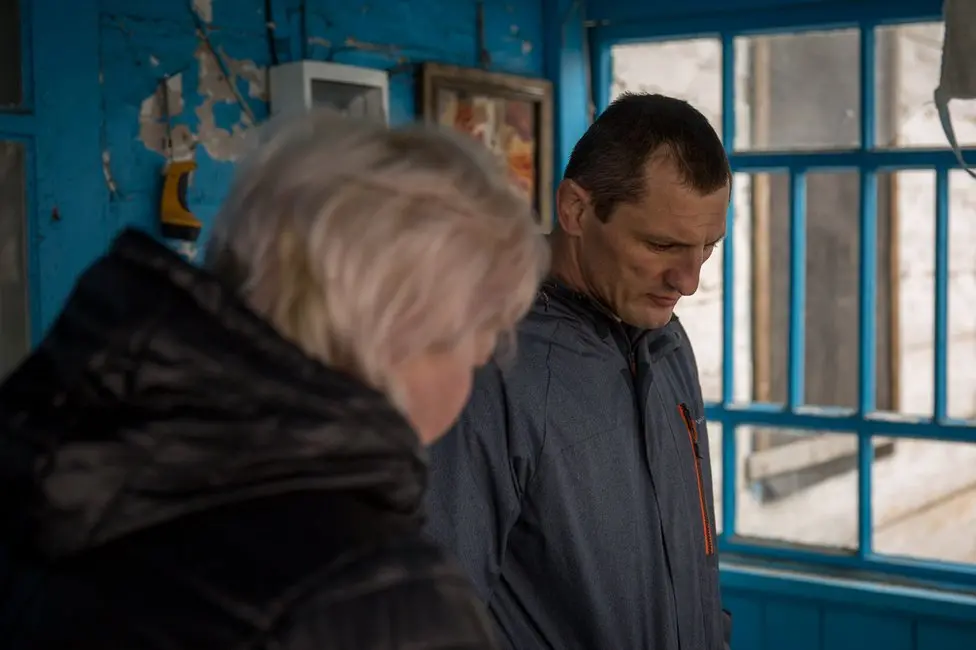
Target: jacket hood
<point>158,394</point>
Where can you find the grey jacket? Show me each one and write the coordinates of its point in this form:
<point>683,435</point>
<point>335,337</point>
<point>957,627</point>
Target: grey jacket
<point>576,487</point>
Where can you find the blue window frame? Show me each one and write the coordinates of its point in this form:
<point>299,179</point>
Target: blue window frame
<point>869,161</point>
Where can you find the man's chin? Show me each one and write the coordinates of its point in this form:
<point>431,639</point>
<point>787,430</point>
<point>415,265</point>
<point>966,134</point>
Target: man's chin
<point>659,322</point>
<point>650,319</point>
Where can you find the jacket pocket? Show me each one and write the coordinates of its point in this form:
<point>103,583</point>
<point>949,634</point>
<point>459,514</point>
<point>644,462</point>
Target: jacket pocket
<point>702,503</point>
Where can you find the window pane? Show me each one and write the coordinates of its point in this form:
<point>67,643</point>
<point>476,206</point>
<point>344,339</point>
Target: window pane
<point>701,316</point>
<point>761,286</point>
<point>10,54</point>
<point>701,313</point>
<point>909,60</point>
<point>715,446</point>
<point>798,91</point>
<point>924,500</point>
<point>909,197</point>
<point>961,349</point>
<point>831,357</point>
<point>687,69</point>
<point>802,492</point>
<point>744,187</point>
<point>14,340</point>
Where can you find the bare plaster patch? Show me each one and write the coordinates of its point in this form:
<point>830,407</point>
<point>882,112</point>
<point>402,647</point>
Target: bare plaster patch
<point>226,142</point>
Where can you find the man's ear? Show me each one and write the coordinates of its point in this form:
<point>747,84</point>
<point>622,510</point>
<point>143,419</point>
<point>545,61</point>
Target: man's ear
<point>572,204</point>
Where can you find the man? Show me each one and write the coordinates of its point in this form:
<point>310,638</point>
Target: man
<point>576,487</point>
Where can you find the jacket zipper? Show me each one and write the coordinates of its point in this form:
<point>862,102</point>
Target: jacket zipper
<point>693,435</point>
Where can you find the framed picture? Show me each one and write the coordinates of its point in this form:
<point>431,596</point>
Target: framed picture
<point>510,115</point>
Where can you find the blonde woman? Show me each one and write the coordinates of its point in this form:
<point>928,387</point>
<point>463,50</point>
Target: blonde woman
<point>232,457</point>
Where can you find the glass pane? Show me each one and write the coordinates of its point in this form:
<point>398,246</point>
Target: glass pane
<point>799,91</point>
<point>909,60</point>
<point>924,501</point>
<point>701,313</point>
<point>961,349</point>
<point>701,316</point>
<point>14,340</point>
<point>743,188</point>
<point>687,69</point>
<point>11,90</point>
<point>715,447</point>
<point>831,357</point>
<point>761,286</point>
<point>802,492</point>
<point>906,201</point>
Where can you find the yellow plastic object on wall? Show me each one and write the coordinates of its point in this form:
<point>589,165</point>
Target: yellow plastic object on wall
<point>177,220</point>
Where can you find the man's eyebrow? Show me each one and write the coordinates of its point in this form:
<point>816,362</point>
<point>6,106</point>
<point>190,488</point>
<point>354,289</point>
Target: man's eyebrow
<point>660,238</point>
<point>667,240</point>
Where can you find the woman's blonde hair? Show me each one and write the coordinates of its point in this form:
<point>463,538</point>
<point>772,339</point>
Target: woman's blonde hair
<point>366,245</point>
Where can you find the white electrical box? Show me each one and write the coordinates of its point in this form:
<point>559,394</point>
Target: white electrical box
<point>359,92</point>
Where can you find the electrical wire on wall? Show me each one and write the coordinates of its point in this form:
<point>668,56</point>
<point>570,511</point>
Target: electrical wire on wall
<point>204,37</point>
<point>270,28</point>
<point>291,28</point>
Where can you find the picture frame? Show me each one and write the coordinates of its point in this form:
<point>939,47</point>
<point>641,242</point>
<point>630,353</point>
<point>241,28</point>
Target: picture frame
<point>512,115</point>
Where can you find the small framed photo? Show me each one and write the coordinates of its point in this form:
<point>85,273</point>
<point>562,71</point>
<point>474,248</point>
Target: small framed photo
<point>509,114</point>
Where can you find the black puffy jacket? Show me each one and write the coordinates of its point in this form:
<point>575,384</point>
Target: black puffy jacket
<point>174,474</point>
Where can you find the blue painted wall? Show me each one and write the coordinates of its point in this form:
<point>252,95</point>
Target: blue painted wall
<point>792,610</point>
<point>94,65</point>
<point>568,65</point>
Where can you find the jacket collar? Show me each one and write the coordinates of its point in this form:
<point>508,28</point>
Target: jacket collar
<point>158,394</point>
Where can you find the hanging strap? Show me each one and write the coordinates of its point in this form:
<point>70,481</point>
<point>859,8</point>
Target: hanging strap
<point>945,117</point>
<point>957,79</point>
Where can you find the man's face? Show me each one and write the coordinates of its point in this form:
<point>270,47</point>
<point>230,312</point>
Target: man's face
<point>649,254</point>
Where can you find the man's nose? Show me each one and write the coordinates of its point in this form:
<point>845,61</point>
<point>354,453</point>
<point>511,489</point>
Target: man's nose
<point>685,275</point>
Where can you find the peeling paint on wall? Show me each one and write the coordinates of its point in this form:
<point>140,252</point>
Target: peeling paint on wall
<point>155,121</point>
<point>204,9</point>
<point>225,142</point>
<point>318,40</point>
<point>107,171</point>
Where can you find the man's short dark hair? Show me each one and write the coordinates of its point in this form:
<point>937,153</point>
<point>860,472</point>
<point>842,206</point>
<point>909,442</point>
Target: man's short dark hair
<point>610,160</point>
